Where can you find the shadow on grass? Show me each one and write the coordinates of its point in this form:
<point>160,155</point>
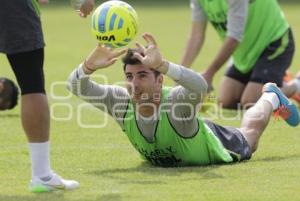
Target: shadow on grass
<point>121,174</point>
<point>57,196</point>
<point>110,197</point>
<point>277,158</point>
<point>9,115</point>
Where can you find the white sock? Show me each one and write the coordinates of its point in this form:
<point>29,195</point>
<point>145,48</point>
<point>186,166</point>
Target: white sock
<point>40,162</point>
<point>297,83</point>
<point>271,98</point>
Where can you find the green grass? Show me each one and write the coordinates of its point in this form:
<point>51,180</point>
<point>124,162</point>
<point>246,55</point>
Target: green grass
<point>104,162</point>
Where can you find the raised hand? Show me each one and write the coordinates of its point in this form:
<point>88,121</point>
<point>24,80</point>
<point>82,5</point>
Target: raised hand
<point>101,57</point>
<point>149,55</point>
<point>86,8</point>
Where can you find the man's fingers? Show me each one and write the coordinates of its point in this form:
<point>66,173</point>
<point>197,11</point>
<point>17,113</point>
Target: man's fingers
<point>146,38</point>
<point>111,62</point>
<point>138,56</point>
<point>140,48</point>
<point>120,52</point>
<point>149,38</point>
<point>87,7</point>
<point>83,11</point>
<point>101,45</point>
<point>83,15</point>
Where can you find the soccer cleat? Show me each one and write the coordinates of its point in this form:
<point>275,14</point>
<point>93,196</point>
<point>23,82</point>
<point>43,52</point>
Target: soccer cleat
<point>288,77</point>
<point>55,183</point>
<point>287,110</point>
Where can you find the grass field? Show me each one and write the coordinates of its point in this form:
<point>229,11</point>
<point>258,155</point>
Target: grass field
<point>102,159</point>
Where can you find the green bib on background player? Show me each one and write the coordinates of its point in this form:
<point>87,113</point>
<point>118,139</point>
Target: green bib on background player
<point>265,24</point>
<point>169,148</point>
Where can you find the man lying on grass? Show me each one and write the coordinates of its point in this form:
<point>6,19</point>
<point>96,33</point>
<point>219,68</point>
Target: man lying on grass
<point>162,123</point>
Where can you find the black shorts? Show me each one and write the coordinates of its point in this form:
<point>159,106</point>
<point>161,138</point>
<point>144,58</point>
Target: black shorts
<point>28,69</point>
<point>233,140</point>
<point>20,26</point>
<point>268,69</point>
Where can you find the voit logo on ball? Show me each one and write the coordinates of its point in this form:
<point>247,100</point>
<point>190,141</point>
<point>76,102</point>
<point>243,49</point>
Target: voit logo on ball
<point>106,38</point>
<point>114,23</point>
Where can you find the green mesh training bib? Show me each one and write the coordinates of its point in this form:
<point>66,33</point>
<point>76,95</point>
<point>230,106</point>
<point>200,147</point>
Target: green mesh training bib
<point>265,24</point>
<point>169,148</point>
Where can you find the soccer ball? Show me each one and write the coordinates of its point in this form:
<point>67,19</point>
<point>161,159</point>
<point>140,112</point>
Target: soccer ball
<point>115,23</point>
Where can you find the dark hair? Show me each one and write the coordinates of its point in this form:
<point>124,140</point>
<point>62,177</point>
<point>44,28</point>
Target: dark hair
<point>13,94</point>
<point>129,59</point>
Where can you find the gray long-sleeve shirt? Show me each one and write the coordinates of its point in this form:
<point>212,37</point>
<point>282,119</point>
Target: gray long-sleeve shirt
<point>188,95</point>
<point>236,18</point>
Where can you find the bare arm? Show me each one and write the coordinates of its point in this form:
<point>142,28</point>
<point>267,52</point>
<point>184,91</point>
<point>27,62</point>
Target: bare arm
<point>194,43</point>
<point>236,21</point>
<point>197,34</point>
<point>104,97</point>
<point>227,49</point>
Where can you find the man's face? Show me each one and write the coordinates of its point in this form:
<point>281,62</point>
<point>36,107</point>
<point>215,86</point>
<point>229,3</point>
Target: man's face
<point>142,84</point>
<point>5,93</point>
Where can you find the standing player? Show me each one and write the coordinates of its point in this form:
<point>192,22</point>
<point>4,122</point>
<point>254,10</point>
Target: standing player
<point>21,39</point>
<point>258,38</point>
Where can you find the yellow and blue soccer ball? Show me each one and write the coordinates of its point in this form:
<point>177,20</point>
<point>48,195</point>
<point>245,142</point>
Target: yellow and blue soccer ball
<point>115,23</point>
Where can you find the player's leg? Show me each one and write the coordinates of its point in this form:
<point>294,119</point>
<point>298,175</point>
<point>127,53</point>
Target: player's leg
<point>292,88</point>
<point>28,69</point>
<point>271,67</point>
<point>255,121</point>
<point>293,85</point>
<point>257,117</point>
<point>26,58</point>
<point>232,87</point>
<point>251,94</point>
